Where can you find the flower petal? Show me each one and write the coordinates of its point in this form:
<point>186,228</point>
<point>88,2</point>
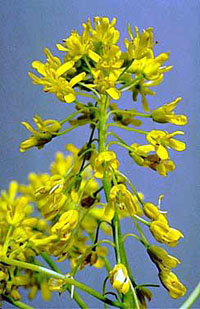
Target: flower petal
<point>64,68</point>
<point>114,93</point>
<point>78,78</point>
<point>61,47</point>
<point>94,56</point>
<point>69,98</point>
<point>162,152</point>
<point>177,145</point>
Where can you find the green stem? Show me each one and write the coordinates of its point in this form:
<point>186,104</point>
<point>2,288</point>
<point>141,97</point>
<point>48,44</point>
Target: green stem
<point>67,130</point>
<point>54,267</point>
<point>121,111</point>
<point>131,235</point>
<point>88,64</point>
<point>144,240</point>
<point>132,84</point>
<point>89,88</point>
<point>117,236</point>
<point>6,242</point>
<point>116,240</point>
<point>87,95</point>
<point>117,137</point>
<point>71,116</point>
<point>142,220</point>
<point>137,305</point>
<point>126,128</point>
<point>49,261</point>
<point>107,264</point>
<point>104,290</point>
<point>16,303</point>
<point>125,69</point>
<point>119,144</point>
<point>192,298</point>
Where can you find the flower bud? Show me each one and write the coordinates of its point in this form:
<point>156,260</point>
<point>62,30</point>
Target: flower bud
<point>170,281</point>
<point>151,211</point>
<point>119,278</point>
<point>161,258</point>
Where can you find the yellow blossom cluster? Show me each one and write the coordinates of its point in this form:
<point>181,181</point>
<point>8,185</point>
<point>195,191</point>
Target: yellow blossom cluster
<point>159,227</point>
<point>58,215</point>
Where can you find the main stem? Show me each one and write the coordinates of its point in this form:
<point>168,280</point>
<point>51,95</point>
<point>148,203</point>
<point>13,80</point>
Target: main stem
<point>120,252</point>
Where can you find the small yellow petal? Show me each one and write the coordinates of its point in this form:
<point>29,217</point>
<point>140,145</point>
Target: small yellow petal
<point>69,98</point>
<point>114,93</point>
<point>39,66</point>
<point>94,56</point>
<point>61,47</point>
<point>78,78</point>
<point>177,145</point>
<point>162,152</point>
<point>64,67</point>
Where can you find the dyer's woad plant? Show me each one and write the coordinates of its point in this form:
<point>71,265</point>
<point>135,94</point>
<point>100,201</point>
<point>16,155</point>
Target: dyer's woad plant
<point>85,191</point>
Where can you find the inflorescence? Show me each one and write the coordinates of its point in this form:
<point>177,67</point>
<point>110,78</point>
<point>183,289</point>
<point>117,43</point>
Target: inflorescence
<point>85,191</point>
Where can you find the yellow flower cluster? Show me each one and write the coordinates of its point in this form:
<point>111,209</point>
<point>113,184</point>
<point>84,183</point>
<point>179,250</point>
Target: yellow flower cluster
<point>165,263</point>
<point>159,142</point>
<point>24,237</point>
<point>95,58</point>
<point>68,200</point>
<point>159,227</point>
<point>47,129</point>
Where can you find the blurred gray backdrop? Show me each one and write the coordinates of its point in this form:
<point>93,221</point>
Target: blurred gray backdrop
<point>29,26</point>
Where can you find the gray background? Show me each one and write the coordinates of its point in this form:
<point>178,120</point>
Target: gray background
<point>29,26</point>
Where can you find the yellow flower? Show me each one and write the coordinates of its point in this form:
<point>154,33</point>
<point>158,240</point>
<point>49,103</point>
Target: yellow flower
<point>61,165</point>
<point>13,209</point>
<point>46,130</point>
<point>109,60</point>
<point>170,281</point>
<point>140,46</point>
<point>106,84</point>
<point>150,68</point>
<point>76,45</point>
<point>163,233</point>
<point>162,140</point>
<point>165,114</point>
<point>104,31</point>
<point>66,224</point>
<point>49,196</point>
<point>51,78</point>
<point>140,152</point>
<point>161,258</point>
<point>121,197</point>
<point>141,156</point>
<point>151,211</point>
<point>105,162</point>
<point>119,278</point>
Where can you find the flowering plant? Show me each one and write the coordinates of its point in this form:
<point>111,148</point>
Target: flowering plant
<point>85,191</point>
